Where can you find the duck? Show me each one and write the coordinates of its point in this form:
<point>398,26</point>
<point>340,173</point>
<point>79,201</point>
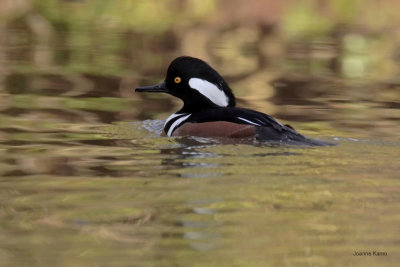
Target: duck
<point>209,108</point>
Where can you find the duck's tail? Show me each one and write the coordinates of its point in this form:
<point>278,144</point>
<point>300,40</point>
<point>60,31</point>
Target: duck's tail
<point>287,135</point>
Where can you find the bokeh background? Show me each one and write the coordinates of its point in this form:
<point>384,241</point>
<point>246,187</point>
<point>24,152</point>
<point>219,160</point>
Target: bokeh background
<point>83,183</point>
<point>332,61</point>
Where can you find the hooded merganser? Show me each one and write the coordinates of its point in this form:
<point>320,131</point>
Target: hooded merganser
<point>209,107</point>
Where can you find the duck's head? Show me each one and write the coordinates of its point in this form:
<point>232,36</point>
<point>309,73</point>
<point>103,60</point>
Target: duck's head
<point>196,83</point>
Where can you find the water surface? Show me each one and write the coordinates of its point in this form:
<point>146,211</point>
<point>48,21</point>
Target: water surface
<point>87,180</point>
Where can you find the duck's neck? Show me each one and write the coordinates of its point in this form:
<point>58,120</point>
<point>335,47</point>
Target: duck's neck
<point>195,105</point>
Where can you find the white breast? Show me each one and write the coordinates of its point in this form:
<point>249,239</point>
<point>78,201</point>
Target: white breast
<point>177,119</point>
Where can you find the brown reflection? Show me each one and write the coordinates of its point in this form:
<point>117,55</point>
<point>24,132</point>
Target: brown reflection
<point>62,70</point>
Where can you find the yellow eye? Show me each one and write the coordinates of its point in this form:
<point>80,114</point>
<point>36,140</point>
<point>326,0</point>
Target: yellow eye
<point>177,79</point>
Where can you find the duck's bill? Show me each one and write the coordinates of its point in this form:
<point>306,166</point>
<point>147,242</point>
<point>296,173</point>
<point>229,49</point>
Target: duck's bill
<point>154,88</point>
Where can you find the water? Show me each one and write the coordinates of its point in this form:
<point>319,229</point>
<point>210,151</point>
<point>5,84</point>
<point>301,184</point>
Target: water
<point>87,180</point>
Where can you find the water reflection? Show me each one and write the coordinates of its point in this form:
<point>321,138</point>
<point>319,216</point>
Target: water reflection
<point>186,154</point>
<point>202,230</point>
<point>87,178</point>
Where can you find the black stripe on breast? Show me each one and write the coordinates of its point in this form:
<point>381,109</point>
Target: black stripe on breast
<point>171,120</point>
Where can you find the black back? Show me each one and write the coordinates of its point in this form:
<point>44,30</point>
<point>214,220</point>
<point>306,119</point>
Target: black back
<point>267,128</point>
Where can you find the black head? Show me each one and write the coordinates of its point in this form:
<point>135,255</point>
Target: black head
<point>196,83</point>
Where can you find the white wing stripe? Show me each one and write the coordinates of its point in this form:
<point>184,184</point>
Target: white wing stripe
<point>242,119</point>
<point>176,123</point>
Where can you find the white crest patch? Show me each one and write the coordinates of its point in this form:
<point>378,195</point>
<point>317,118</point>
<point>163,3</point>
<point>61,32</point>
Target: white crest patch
<point>209,90</point>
